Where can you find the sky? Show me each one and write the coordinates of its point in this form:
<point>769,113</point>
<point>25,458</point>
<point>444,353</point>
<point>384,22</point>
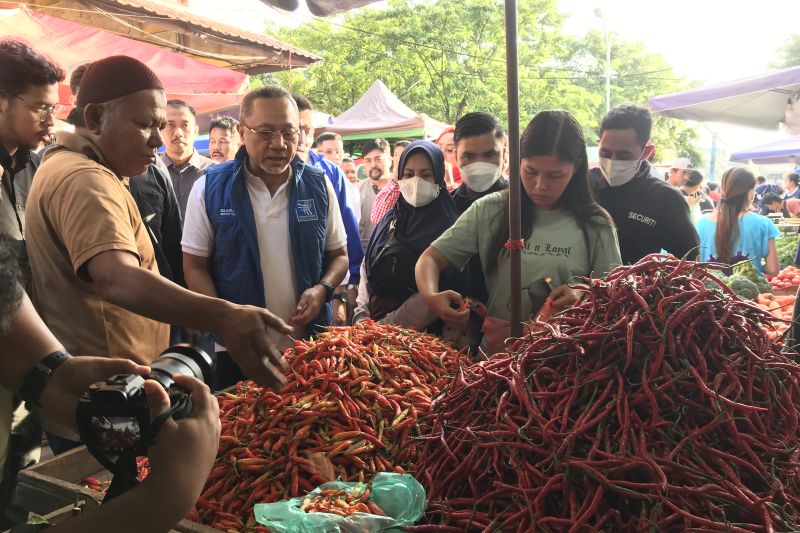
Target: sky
<point>707,41</point>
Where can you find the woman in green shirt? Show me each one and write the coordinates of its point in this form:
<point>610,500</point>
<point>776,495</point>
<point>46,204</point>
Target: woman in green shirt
<point>566,232</point>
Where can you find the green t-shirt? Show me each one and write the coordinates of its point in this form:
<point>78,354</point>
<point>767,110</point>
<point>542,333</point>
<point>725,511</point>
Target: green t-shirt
<point>6,414</point>
<point>556,249</point>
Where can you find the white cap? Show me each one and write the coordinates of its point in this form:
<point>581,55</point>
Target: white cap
<point>682,163</point>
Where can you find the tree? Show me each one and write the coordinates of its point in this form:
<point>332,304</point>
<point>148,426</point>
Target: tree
<point>638,75</point>
<point>447,57</point>
<point>790,53</point>
<point>443,58</point>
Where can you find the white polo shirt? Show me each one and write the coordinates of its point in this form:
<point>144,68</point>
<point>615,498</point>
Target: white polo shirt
<point>274,247</point>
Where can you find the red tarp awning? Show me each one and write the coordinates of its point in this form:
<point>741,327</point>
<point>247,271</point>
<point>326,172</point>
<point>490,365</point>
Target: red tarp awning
<point>70,44</point>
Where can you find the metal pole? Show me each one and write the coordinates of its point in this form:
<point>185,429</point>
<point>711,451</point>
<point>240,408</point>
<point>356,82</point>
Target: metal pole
<point>514,189</point>
<point>713,159</point>
<point>608,68</point>
<point>599,14</point>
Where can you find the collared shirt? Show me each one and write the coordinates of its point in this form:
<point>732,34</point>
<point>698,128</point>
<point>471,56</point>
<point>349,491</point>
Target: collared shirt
<point>271,213</point>
<point>77,209</point>
<point>183,177</point>
<point>15,182</point>
<point>368,192</point>
<point>347,208</point>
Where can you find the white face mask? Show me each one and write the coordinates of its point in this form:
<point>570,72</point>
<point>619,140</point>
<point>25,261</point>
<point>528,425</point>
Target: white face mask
<point>418,192</point>
<point>618,172</point>
<point>480,176</point>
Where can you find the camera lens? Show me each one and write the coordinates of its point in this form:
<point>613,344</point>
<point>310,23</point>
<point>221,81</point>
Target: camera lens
<point>181,359</point>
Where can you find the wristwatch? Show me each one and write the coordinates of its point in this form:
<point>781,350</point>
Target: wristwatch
<point>328,290</point>
<point>33,385</point>
<point>342,297</point>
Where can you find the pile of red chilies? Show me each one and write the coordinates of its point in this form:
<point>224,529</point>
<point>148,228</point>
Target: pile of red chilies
<point>655,404</point>
<point>354,396</point>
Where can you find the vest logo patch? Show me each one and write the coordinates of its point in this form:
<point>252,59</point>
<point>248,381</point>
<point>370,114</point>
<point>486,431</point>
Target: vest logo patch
<point>306,210</point>
<point>227,212</point>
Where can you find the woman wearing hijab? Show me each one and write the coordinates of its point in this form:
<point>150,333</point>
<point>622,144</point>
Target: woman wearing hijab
<point>388,291</point>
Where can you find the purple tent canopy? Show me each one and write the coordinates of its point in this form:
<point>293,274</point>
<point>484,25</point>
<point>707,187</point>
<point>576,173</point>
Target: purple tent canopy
<point>775,152</point>
<point>759,102</point>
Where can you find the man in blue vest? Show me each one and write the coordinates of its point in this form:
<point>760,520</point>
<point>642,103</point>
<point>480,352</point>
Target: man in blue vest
<point>344,296</point>
<point>265,229</point>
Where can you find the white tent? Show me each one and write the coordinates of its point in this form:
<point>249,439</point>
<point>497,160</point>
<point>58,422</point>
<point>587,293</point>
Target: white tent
<point>379,113</point>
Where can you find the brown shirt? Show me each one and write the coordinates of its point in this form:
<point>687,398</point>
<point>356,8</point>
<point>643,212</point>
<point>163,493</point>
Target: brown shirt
<point>78,208</point>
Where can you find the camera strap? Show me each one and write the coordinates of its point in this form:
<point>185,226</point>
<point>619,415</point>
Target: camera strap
<point>125,469</point>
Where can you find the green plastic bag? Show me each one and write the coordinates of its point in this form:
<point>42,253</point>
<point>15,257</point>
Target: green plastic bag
<point>400,496</point>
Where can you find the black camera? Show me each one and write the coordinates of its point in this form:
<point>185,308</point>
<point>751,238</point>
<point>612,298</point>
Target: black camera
<point>114,419</point>
<point>113,416</point>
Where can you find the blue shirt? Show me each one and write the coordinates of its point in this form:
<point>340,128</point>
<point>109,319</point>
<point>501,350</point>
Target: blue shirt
<point>755,231</point>
<point>355,252</point>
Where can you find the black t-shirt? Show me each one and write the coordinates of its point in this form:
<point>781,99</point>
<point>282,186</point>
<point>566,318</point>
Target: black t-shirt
<point>650,215</point>
<point>158,205</point>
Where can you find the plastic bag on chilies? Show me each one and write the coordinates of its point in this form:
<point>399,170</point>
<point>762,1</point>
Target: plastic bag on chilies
<point>400,496</point>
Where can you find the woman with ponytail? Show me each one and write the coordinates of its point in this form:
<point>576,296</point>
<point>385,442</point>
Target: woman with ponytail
<point>732,233</point>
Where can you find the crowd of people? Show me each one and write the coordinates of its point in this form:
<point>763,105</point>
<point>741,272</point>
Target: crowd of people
<point>121,250</point>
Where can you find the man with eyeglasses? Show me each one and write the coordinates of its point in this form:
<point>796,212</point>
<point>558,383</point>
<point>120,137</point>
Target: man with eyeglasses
<point>185,165</point>
<point>28,101</point>
<point>265,229</point>
<point>96,282</point>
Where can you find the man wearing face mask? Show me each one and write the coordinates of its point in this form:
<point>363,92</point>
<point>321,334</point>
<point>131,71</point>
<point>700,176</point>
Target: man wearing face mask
<point>650,214</point>
<point>480,142</point>
<point>423,211</point>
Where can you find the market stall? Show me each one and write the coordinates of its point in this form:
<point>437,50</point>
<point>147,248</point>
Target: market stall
<point>660,400</point>
<point>379,113</point>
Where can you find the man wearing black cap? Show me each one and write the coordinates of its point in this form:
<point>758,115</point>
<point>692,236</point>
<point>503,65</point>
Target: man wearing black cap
<point>95,277</point>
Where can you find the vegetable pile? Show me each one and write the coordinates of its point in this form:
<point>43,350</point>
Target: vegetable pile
<point>787,249</point>
<point>351,406</point>
<point>780,307</point>
<point>655,404</point>
<point>341,502</point>
<point>786,278</point>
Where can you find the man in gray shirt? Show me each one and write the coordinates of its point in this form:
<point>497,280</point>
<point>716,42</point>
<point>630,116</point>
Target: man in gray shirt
<point>185,165</point>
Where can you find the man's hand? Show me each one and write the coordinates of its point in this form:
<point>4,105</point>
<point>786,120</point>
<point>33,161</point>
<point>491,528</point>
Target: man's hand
<point>185,449</point>
<point>244,333</point>
<point>441,303</point>
<point>309,306</point>
<point>352,296</point>
<point>72,378</point>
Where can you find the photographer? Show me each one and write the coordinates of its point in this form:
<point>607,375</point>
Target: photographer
<point>180,459</point>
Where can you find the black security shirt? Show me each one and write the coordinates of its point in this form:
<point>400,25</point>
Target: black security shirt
<point>651,215</point>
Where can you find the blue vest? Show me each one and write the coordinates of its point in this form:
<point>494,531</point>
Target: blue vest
<point>235,260</point>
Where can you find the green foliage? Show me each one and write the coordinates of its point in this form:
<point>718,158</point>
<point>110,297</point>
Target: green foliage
<point>447,57</point>
<point>743,287</point>
<point>787,249</point>
<point>746,269</point>
<point>789,53</point>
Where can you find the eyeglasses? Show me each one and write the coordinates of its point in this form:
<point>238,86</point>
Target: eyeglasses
<point>267,136</point>
<point>45,111</point>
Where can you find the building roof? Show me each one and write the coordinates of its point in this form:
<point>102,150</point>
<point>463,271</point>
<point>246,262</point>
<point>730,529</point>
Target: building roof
<point>177,28</point>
